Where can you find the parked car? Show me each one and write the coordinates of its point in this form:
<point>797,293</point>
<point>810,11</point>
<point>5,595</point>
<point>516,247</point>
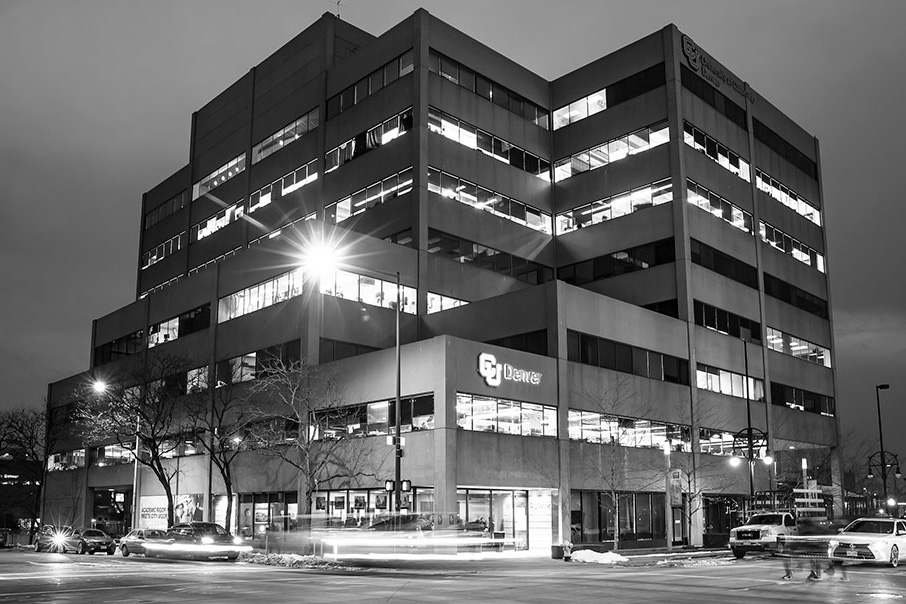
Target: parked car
<point>134,542</point>
<point>96,540</point>
<point>879,540</point>
<point>760,532</point>
<point>197,540</point>
<point>65,538</point>
<point>60,539</point>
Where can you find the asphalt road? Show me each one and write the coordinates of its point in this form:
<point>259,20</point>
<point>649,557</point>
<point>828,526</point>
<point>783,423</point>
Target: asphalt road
<point>67,578</point>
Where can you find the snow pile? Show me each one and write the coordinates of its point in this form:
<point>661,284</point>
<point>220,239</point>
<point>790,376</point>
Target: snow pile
<point>587,555</point>
<point>288,560</point>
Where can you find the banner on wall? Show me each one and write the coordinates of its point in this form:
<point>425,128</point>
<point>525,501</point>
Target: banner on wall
<point>153,510</point>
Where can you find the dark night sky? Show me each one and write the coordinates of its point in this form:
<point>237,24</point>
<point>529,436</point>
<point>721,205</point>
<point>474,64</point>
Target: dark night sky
<point>96,99</point>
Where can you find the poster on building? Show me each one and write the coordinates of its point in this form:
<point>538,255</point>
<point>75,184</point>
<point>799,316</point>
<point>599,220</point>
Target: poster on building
<point>186,508</point>
<point>153,512</point>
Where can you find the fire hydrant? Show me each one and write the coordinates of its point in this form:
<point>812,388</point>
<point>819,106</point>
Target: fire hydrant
<point>567,551</point>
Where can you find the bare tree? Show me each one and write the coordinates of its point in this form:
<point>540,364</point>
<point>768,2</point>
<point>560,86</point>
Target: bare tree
<point>24,438</point>
<point>299,416</point>
<point>141,406</point>
<point>619,407</point>
<point>221,418</point>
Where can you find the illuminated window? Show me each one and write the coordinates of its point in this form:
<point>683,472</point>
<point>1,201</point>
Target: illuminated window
<point>296,179</point>
<point>611,151</point>
<point>372,195</point>
<point>655,194</point>
<point>603,428</point>
<point>285,136</point>
<point>219,176</point>
<point>790,246</point>
<point>490,414</point>
<point>798,347</point>
<point>717,206</point>
<point>717,152</point>
<point>218,221</point>
<point>374,137</point>
<point>463,191</point>
<point>167,248</point>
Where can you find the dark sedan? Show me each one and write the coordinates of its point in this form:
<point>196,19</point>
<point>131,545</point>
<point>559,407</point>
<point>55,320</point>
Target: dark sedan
<point>96,540</point>
<point>198,540</point>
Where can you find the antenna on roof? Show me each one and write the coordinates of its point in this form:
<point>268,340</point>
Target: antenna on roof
<point>338,8</point>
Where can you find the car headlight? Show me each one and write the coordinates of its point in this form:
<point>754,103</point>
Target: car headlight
<point>237,540</point>
<point>832,544</point>
<point>207,540</point>
<point>59,539</point>
<point>768,532</point>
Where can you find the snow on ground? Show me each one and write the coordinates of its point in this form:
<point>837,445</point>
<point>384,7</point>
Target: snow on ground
<point>587,555</point>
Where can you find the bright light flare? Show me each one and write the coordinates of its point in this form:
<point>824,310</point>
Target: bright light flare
<point>320,259</point>
<point>99,386</point>
<point>768,460</point>
<point>734,461</point>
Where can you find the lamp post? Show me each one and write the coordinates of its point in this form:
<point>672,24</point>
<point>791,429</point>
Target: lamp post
<point>883,454</point>
<point>750,438</point>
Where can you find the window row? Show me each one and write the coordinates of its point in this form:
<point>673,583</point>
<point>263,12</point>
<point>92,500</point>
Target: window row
<point>367,290</point>
<point>723,264</point>
<point>485,88</point>
<point>377,418</point>
<point>797,347</point>
<point>618,263</point>
<point>721,103</point>
<point>715,442</point>
<point>718,206</point>
<point>66,460</point>
<point>534,342</point>
<point>170,246</point>
<point>606,153</point>
<point>252,365</point>
<point>481,256</point>
<point>802,400</point>
<point>793,247</point>
<point>475,138</point>
<point>782,147</point>
<point>279,231</point>
<point>773,187</point>
<point>119,348</point>
<point>726,382</point>
<point>622,204</point>
<point>601,352</point>
<point>726,322</point>
<point>618,92</point>
<point>186,323</point>
<point>727,159</point>
<point>161,286</point>
<point>218,221</point>
<point>370,84</point>
<point>335,350</point>
<point>213,261</point>
<point>109,455</point>
<point>286,135</point>
<point>363,142</point>
<point>171,206</point>
<point>789,293</point>
<point>628,432</point>
<point>370,196</point>
<point>490,414</point>
<point>264,294</point>
<point>438,303</point>
<point>296,179</point>
<point>473,195</point>
<point>596,102</point>
<point>219,176</point>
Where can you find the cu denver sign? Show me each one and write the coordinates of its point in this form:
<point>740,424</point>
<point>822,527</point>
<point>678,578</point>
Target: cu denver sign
<point>494,373</point>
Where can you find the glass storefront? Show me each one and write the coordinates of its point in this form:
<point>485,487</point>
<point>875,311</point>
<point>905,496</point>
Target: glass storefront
<point>594,518</point>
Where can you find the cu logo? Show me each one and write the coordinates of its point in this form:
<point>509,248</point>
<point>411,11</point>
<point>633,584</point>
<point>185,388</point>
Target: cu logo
<point>691,52</point>
<point>489,369</point>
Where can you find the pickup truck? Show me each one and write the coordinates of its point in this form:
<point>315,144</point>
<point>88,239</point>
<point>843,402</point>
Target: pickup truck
<point>760,532</point>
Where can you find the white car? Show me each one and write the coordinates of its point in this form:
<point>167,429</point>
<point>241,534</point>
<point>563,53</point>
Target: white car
<point>760,532</point>
<point>878,540</point>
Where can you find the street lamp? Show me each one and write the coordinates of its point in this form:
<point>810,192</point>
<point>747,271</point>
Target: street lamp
<point>322,258</point>
<point>750,440</point>
<point>883,454</point>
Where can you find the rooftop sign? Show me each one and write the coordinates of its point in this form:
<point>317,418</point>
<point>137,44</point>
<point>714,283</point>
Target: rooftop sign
<point>494,373</point>
<point>711,71</point>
